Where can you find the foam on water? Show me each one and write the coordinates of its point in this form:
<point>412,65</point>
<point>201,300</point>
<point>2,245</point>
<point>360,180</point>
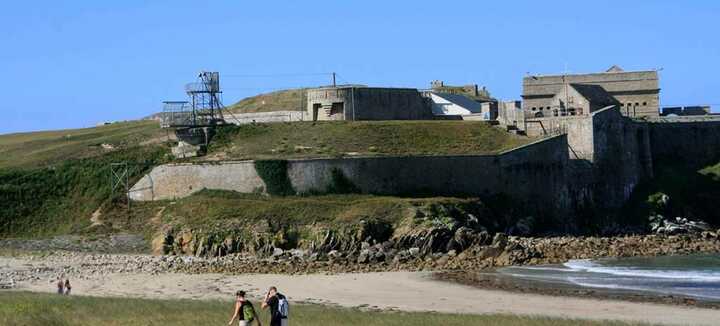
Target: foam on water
<point>693,276</point>
<point>592,267</point>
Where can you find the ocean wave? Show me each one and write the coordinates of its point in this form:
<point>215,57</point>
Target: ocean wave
<point>692,292</point>
<point>586,265</point>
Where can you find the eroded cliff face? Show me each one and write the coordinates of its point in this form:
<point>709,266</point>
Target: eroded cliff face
<point>431,228</point>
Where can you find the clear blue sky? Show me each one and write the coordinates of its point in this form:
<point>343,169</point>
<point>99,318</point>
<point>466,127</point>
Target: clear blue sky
<point>75,63</point>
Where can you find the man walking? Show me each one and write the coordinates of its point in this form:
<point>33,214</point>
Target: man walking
<point>279,307</point>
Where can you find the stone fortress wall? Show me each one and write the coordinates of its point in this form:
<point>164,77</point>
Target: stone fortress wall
<point>584,161</point>
<point>532,174</point>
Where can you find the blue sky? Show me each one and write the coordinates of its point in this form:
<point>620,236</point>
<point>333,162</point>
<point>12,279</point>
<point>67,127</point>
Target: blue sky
<point>69,64</point>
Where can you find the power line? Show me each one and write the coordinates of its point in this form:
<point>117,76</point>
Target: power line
<point>277,75</point>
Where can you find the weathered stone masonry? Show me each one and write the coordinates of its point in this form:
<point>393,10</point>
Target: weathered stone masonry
<point>596,161</point>
<point>532,174</point>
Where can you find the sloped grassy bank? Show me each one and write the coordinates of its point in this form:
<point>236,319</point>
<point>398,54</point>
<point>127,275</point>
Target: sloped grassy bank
<point>61,198</point>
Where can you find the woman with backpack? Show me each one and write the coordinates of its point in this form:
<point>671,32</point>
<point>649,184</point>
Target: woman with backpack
<point>244,311</point>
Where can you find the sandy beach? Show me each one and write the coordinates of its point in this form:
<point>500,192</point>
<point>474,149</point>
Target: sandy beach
<point>406,291</point>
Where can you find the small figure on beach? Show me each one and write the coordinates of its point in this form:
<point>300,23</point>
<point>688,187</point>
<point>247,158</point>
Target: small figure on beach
<point>67,287</point>
<point>279,307</point>
<point>60,286</point>
<point>244,311</point>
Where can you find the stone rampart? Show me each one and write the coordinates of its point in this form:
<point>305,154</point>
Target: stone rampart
<point>533,174</point>
<point>693,142</point>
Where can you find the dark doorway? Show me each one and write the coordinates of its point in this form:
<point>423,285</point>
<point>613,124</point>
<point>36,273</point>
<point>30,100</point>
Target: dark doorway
<point>315,110</point>
<point>337,111</point>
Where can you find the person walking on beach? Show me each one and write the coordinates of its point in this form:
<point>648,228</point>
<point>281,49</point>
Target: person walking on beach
<point>244,311</point>
<point>279,307</point>
<point>67,287</point>
<point>60,286</point>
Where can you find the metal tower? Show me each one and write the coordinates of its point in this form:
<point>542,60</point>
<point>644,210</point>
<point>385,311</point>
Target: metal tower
<point>204,108</point>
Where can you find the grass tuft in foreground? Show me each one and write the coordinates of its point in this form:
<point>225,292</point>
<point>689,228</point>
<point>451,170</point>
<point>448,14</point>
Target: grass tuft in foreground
<point>29,309</point>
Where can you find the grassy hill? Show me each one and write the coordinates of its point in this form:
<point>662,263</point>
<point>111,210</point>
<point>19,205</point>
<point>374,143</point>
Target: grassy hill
<point>345,138</point>
<point>52,181</point>
<point>37,149</point>
<point>285,100</point>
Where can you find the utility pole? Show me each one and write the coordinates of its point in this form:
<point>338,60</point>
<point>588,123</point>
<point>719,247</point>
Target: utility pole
<point>120,179</point>
<point>333,79</point>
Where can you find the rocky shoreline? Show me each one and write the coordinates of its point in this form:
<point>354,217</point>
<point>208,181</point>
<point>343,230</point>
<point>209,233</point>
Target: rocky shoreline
<point>486,253</point>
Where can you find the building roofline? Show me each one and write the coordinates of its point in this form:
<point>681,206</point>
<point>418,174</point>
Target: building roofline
<point>591,73</point>
<point>361,86</point>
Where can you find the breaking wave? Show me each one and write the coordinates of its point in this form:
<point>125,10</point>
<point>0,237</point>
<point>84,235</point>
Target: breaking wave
<point>587,265</point>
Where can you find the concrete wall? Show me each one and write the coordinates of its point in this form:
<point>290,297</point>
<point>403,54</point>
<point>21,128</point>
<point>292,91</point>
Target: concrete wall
<point>265,117</point>
<point>692,142</point>
<point>578,128</point>
<point>608,155</point>
<point>171,181</point>
<point>531,174</point>
<point>621,156</point>
<point>367,103</point>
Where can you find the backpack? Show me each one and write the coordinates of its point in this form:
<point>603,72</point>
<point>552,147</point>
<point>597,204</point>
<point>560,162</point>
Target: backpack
<point>248,312</point>
<point>283,307</point>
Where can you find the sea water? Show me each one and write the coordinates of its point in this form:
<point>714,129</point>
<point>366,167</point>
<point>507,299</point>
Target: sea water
<point>696,276</point>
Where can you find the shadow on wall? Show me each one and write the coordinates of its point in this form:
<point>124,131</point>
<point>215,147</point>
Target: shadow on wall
<point>693,192</point>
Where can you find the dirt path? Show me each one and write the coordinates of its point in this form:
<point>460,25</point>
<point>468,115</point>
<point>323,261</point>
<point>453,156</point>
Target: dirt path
<point>408,291</point>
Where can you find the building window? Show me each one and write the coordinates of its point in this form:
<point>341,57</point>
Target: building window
<point>637,104</point>
<point>534,109</point>
<point>644,103</point>
<point>622,104</point>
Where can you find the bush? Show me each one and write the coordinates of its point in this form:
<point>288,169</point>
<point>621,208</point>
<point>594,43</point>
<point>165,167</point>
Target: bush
<point>274,174</point>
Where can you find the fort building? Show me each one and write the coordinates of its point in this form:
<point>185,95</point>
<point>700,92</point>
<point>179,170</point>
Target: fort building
<point>355,102</point>
<point>635,93</point>
<point>467,101</point>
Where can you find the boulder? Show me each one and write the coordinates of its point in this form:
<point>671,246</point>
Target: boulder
<point>277,252</point>
<point>162,243</point>
<point>499,241</point>
<point>414,252</point>
<point>364,257</point>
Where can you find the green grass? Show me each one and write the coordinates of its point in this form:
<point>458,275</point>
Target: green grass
<point>52,181</point>
<point>38,149</point>
<point>340,138</point>
<point>28,309</point>
<point>60,199</point>
<point>206,207</point>
<point>693,193</point>
<point>285,100</point>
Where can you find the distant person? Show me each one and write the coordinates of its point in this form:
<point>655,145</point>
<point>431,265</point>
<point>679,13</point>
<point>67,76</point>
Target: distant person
<point>279,307</point>
<point>244,311</point>
<point>60,286</point>
<point>67,287</point>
